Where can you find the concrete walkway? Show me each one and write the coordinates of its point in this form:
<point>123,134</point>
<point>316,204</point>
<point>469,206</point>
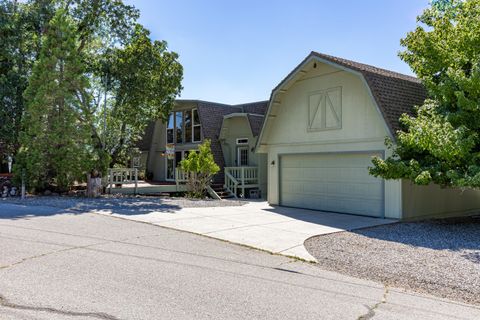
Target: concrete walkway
<point>256,224</point>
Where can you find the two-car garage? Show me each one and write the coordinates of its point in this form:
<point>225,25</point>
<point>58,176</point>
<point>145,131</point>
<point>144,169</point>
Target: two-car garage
<point>325,122</point>
<point>337,182</point>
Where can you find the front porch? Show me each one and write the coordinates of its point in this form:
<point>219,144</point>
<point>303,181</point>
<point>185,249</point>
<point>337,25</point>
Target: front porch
<point>240,182</point>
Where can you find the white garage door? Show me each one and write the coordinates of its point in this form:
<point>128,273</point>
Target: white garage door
<point>337,182</point>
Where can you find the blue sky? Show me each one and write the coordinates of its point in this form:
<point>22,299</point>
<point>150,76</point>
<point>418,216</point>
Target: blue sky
<point>238,51</point>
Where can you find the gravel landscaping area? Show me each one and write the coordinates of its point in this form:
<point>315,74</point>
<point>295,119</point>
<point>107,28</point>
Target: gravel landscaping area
<point>438,257</point>
<point>114,203</point>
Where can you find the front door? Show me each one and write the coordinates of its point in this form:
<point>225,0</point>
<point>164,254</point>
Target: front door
<point>170,176</point>
<point>242,156</point>
<point>172,164</point>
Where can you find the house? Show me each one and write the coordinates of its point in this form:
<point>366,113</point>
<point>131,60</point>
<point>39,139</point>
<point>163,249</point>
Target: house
<point>311,143</point>
<point>233,131</point>
<point>324,123</point>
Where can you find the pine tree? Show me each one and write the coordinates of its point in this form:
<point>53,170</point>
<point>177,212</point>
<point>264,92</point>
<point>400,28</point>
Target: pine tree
<point>55,142</point>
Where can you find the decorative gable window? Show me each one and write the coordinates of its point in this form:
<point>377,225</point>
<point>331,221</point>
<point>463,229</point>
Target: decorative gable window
<point>325,109</point>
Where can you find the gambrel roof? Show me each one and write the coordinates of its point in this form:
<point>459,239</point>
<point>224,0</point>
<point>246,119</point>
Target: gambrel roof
<point>394,93</point>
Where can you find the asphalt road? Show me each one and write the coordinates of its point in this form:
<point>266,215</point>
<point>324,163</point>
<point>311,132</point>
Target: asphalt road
<point>72,265</point>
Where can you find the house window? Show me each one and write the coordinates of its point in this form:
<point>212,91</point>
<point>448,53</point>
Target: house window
<point>197,128</point>
<point>188,126</point>
<point>179,126</point>
<point>170,126</point>
<point>184,127</point>
<point>242,141</point>
<point>242,156</point>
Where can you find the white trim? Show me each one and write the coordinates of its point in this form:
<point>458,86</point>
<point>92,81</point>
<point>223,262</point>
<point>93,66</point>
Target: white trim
<point>335,141</point>
<point>242,143</point>
<point>244,147</point>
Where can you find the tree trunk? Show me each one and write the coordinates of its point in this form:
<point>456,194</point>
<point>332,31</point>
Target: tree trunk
<point>94,186</point>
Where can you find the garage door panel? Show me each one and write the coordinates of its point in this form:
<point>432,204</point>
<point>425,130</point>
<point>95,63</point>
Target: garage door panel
<point>331,182</point>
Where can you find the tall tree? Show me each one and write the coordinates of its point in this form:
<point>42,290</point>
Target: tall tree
<point>139,77</point>
<point>55,141</point>
<point>98,24</point>
<point>21,26</point>
<point>144,80</point>
<point>441,143</point>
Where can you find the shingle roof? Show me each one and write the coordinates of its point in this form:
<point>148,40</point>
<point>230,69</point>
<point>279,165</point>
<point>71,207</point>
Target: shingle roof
<point>395,93</point>
<point>211,117</point>
<point>256,115</point>
<point>259,107</point>
<point>256,123</point>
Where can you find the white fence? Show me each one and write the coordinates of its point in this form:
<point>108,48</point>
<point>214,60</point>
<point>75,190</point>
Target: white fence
<point>119,176</point>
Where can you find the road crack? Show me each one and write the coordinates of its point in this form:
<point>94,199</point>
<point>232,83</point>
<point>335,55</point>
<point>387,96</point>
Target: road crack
<point>371,309</point>
<point>98,315</point>
<point>49,253</point>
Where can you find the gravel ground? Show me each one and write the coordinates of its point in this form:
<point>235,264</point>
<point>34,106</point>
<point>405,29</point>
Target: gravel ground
<point>119,202</point>
<point>438,257</point>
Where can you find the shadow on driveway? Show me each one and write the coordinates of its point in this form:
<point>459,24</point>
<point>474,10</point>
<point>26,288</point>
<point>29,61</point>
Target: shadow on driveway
<point>329,219</point>
<point>38,207</point>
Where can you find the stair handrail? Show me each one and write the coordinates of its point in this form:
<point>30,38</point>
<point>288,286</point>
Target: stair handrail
<point>213,194</point>
<point>231,181</point>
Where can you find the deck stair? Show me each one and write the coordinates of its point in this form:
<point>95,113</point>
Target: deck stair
<point>220,189</point>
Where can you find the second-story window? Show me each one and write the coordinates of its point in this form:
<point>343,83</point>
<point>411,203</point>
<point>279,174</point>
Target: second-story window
<point>188,126</point>
<point>197,128</point>
<point>184,127</point>
<point>170,128</point>
<point>179,126</point>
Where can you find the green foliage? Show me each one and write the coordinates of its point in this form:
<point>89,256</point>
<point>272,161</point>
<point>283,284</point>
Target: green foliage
<point>20,24</point>
<point>201,168</point>
<point>441,143</point>
<point>144,80</point>
<point>55,144</point>
<point>108,52</point>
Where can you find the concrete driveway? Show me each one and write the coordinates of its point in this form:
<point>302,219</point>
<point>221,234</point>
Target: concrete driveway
<point>257,224</point>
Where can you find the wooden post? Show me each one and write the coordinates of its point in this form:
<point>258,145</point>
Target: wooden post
<point>110,180</point>
<point>243,182</point>
<point>136,181</point>
<point>89,185</point>
<point>23,184</point>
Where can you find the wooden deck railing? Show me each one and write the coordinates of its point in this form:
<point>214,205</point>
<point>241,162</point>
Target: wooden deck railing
<point>240,178</point>
<point>122,176</point>
<point>231,183</point>
<point>180,176</point>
